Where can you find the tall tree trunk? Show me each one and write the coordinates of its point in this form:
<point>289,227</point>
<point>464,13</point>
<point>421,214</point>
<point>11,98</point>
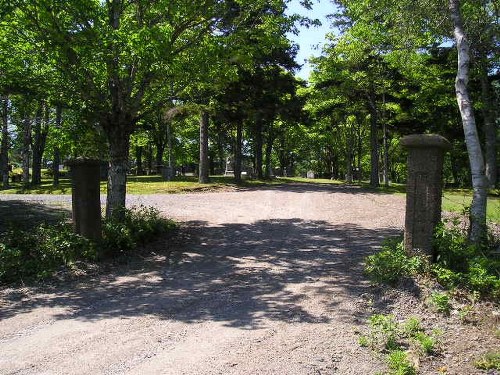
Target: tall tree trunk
<point>489,128</point>
<point>349,176</point>
<point>477,228</point>
<point>57,151</point>
<point>25,152</point>
<point>169,147</point>
<point>237,151</point>
<point>138,160</point>
<point>119,143</point>
<point>203,176</point>
<point>258,150</point>
<point>40,132</point>
<point>220,147</point>
<point>374,178</point>
<point>4,146</point>
<point>360,151</point>
<point>269,150</point>
<point>160,150</point>
<point>149,157</point>
<point>386,155</point>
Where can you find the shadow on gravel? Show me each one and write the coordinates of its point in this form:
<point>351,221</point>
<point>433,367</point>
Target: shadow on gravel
<point>238,274</point>
<point>26,214</point>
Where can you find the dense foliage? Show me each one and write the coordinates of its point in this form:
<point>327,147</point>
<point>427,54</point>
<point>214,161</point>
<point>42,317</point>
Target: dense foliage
<point>459,264</point>
<point>38,253</point>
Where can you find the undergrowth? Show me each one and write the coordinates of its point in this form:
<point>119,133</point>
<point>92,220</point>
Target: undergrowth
<point>458,264</point>
<point>36,254</point>
<point>396,340</point>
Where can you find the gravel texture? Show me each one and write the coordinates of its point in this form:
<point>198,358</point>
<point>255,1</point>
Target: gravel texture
<point>269,281</point>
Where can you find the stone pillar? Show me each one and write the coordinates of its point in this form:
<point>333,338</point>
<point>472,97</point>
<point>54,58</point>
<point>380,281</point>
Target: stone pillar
<point>423,190</point>
<point>86,200</point>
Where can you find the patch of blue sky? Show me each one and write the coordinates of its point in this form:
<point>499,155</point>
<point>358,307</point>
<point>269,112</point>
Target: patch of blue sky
<point>310,40</point>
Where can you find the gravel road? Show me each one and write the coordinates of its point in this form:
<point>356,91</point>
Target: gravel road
<point>270,282</point>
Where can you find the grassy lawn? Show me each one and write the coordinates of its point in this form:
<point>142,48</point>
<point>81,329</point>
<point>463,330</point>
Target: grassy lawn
<point>454,200</point>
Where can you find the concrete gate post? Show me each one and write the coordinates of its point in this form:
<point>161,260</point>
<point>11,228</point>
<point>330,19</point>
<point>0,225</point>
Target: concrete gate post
<point>86,201</point>
<point>423,190</point>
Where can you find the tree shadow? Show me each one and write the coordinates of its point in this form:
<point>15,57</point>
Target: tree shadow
<point>238,274</point>
<point>24,214</point>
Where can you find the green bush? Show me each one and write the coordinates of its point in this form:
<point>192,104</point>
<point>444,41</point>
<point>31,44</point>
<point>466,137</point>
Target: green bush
<point>386,335</point>
<point>489,361</point>
<point>141,224</point>
<point>460,264</point>
<point>37,253</point>
<point>441,302</point>
<point>399,363</point>
<point>412,327</point>
<point>384,331</point>
<point>392,263</point>
<point>426,343</point>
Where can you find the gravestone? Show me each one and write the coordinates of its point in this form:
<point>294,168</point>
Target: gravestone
<point>423,190</point>
<point>167,173</point>
<point>310,174</point>
<point>86,202</point>
<point>229,167</point>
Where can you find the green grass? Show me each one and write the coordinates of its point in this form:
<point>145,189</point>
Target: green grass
<point>459,200</point>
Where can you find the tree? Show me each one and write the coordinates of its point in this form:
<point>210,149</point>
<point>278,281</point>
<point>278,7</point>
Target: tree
<point>409,25</point>
<point>117,57</point>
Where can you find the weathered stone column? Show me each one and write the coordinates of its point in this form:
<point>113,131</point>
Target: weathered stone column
<point>86,202</point>
<point>423,190</point>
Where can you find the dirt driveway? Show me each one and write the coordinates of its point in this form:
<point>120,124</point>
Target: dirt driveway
<point>270,282</point>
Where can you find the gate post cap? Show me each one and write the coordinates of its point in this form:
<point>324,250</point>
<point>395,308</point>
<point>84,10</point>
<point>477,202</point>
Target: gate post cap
<point>425,141</point>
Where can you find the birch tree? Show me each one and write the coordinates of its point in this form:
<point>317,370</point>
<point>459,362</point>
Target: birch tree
<point>408,26</point>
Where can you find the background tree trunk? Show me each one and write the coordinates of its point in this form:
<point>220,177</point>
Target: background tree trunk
<point>489,128</point>
<point>169,148</point>
<point>5,145</point>
<point>160,150</point>
<point>25,151</point>
<point>386,155</point>
<point>477,228</point>
<point>237,152</point>
<point>258,150</point>
<point>40,132</point>
<point>138,160</point>
<point>374,178</point>
<point>203,170</point>
<point>269,150</point>
<point>57,152</point>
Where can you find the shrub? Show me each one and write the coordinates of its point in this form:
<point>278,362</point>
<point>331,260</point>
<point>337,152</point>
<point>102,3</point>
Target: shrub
<point>458,264</point>
<point>461,264</point>
<point>441,302</point>
<point>37,253</point>
<point>489,361</point>
<point>384,331</point>
<point>412,327</point>
<point>141,224</point>
<point>389,336</point>
<point>399,363</point>
<point>392,263</point>
<point>427,343</point>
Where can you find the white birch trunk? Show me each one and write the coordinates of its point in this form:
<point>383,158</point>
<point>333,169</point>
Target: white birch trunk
<point>476,160</point>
